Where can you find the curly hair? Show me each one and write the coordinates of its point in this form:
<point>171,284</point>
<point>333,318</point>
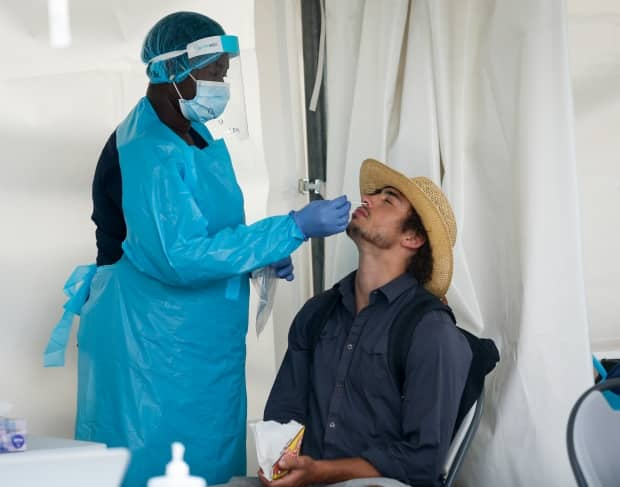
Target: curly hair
<point>420,264</point>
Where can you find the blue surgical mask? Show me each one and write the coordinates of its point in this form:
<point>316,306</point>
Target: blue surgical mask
<point>209,103</point>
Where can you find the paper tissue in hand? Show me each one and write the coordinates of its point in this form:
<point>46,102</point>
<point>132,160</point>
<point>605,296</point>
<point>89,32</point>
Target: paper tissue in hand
<point>274,441</point>
<point>12,431</point>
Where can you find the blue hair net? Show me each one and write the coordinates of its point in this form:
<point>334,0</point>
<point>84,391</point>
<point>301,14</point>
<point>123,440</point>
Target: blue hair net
<point>174,32</point>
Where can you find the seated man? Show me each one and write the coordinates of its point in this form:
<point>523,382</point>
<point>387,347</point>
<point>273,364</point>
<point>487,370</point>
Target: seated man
<point>335,377</point>
<point>364,421</point>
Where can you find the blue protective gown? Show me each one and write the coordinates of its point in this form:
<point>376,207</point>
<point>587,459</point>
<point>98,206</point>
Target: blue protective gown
<point>162,335</point>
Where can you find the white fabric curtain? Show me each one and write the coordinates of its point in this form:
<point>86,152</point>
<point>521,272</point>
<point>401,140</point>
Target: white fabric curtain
<point>479,91</point>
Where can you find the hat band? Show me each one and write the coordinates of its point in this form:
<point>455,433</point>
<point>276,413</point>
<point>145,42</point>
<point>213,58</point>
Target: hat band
<point>166,55</point>
<point>202,47</point>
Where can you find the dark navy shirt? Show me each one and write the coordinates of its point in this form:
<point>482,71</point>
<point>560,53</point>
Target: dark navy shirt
<point>107,205</point>
<point>347,396</point>
<point>107,195</point>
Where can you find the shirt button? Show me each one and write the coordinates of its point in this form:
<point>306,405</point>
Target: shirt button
<point>332,425</point>
<point>349,346</point>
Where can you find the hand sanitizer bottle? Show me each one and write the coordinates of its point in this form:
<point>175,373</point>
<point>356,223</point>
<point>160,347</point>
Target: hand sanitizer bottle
<point>177,472</point>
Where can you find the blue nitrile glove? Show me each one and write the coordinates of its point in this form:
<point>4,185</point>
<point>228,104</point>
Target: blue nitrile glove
<point>322,218</point>
<point>284,268</point>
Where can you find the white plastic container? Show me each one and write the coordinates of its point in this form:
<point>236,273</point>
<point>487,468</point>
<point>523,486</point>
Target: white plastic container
<point>177,472</point>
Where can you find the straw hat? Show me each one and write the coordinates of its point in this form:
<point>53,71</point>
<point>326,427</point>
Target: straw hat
<point>434,210</point>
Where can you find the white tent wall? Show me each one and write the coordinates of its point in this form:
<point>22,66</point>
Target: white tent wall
<point>482,88</point>
<point>58,108</point>
<point>280,67</point>
<point>594,48</point>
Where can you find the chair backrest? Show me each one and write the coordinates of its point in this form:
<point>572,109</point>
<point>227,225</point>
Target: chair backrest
<point>461,441</point>
<point>593,438</point>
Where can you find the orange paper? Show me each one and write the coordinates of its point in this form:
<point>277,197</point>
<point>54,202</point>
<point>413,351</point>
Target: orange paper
<point>291,450</point>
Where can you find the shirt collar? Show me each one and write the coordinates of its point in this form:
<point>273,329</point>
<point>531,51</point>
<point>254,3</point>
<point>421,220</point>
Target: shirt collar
<point>392,290</point>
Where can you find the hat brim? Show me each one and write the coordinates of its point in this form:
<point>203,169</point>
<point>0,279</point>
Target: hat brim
<point>375,176</point>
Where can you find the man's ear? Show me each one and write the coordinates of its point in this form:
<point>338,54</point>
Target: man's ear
<point>412,240</point>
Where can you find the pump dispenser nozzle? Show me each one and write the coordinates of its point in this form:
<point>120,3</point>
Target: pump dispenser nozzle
<point>177,472</point>
<point>177,466</point>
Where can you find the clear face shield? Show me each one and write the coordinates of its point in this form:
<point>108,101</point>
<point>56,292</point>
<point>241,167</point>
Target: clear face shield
<point>233,121</point>
<point>217,56</point>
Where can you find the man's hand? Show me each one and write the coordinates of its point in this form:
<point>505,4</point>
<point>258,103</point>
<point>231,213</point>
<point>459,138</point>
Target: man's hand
<point>302,471</point>
<point>305,470</point>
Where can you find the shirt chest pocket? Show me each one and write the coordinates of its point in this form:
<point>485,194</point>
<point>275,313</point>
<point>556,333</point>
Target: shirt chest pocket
<point>374,380</point>
<point>327,347</point>
<point>373,359</point>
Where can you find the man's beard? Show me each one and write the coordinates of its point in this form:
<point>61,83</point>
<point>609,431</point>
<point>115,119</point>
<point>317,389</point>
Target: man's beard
<point>355,232</point>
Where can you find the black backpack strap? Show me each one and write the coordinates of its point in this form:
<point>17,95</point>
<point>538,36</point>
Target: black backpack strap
<point>403,327</point>
<point>484,352</point>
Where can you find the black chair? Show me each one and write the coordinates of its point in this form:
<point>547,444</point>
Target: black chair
<point>593,437</point>
<point>461,442</point>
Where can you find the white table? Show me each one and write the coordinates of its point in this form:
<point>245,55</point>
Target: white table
<point>38,443</point>
<point>61,462</point>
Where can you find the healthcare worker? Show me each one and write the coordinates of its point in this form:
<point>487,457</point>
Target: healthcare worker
<point>164,313</point>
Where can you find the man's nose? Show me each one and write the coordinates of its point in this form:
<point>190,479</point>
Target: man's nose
<point>369,199</point>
